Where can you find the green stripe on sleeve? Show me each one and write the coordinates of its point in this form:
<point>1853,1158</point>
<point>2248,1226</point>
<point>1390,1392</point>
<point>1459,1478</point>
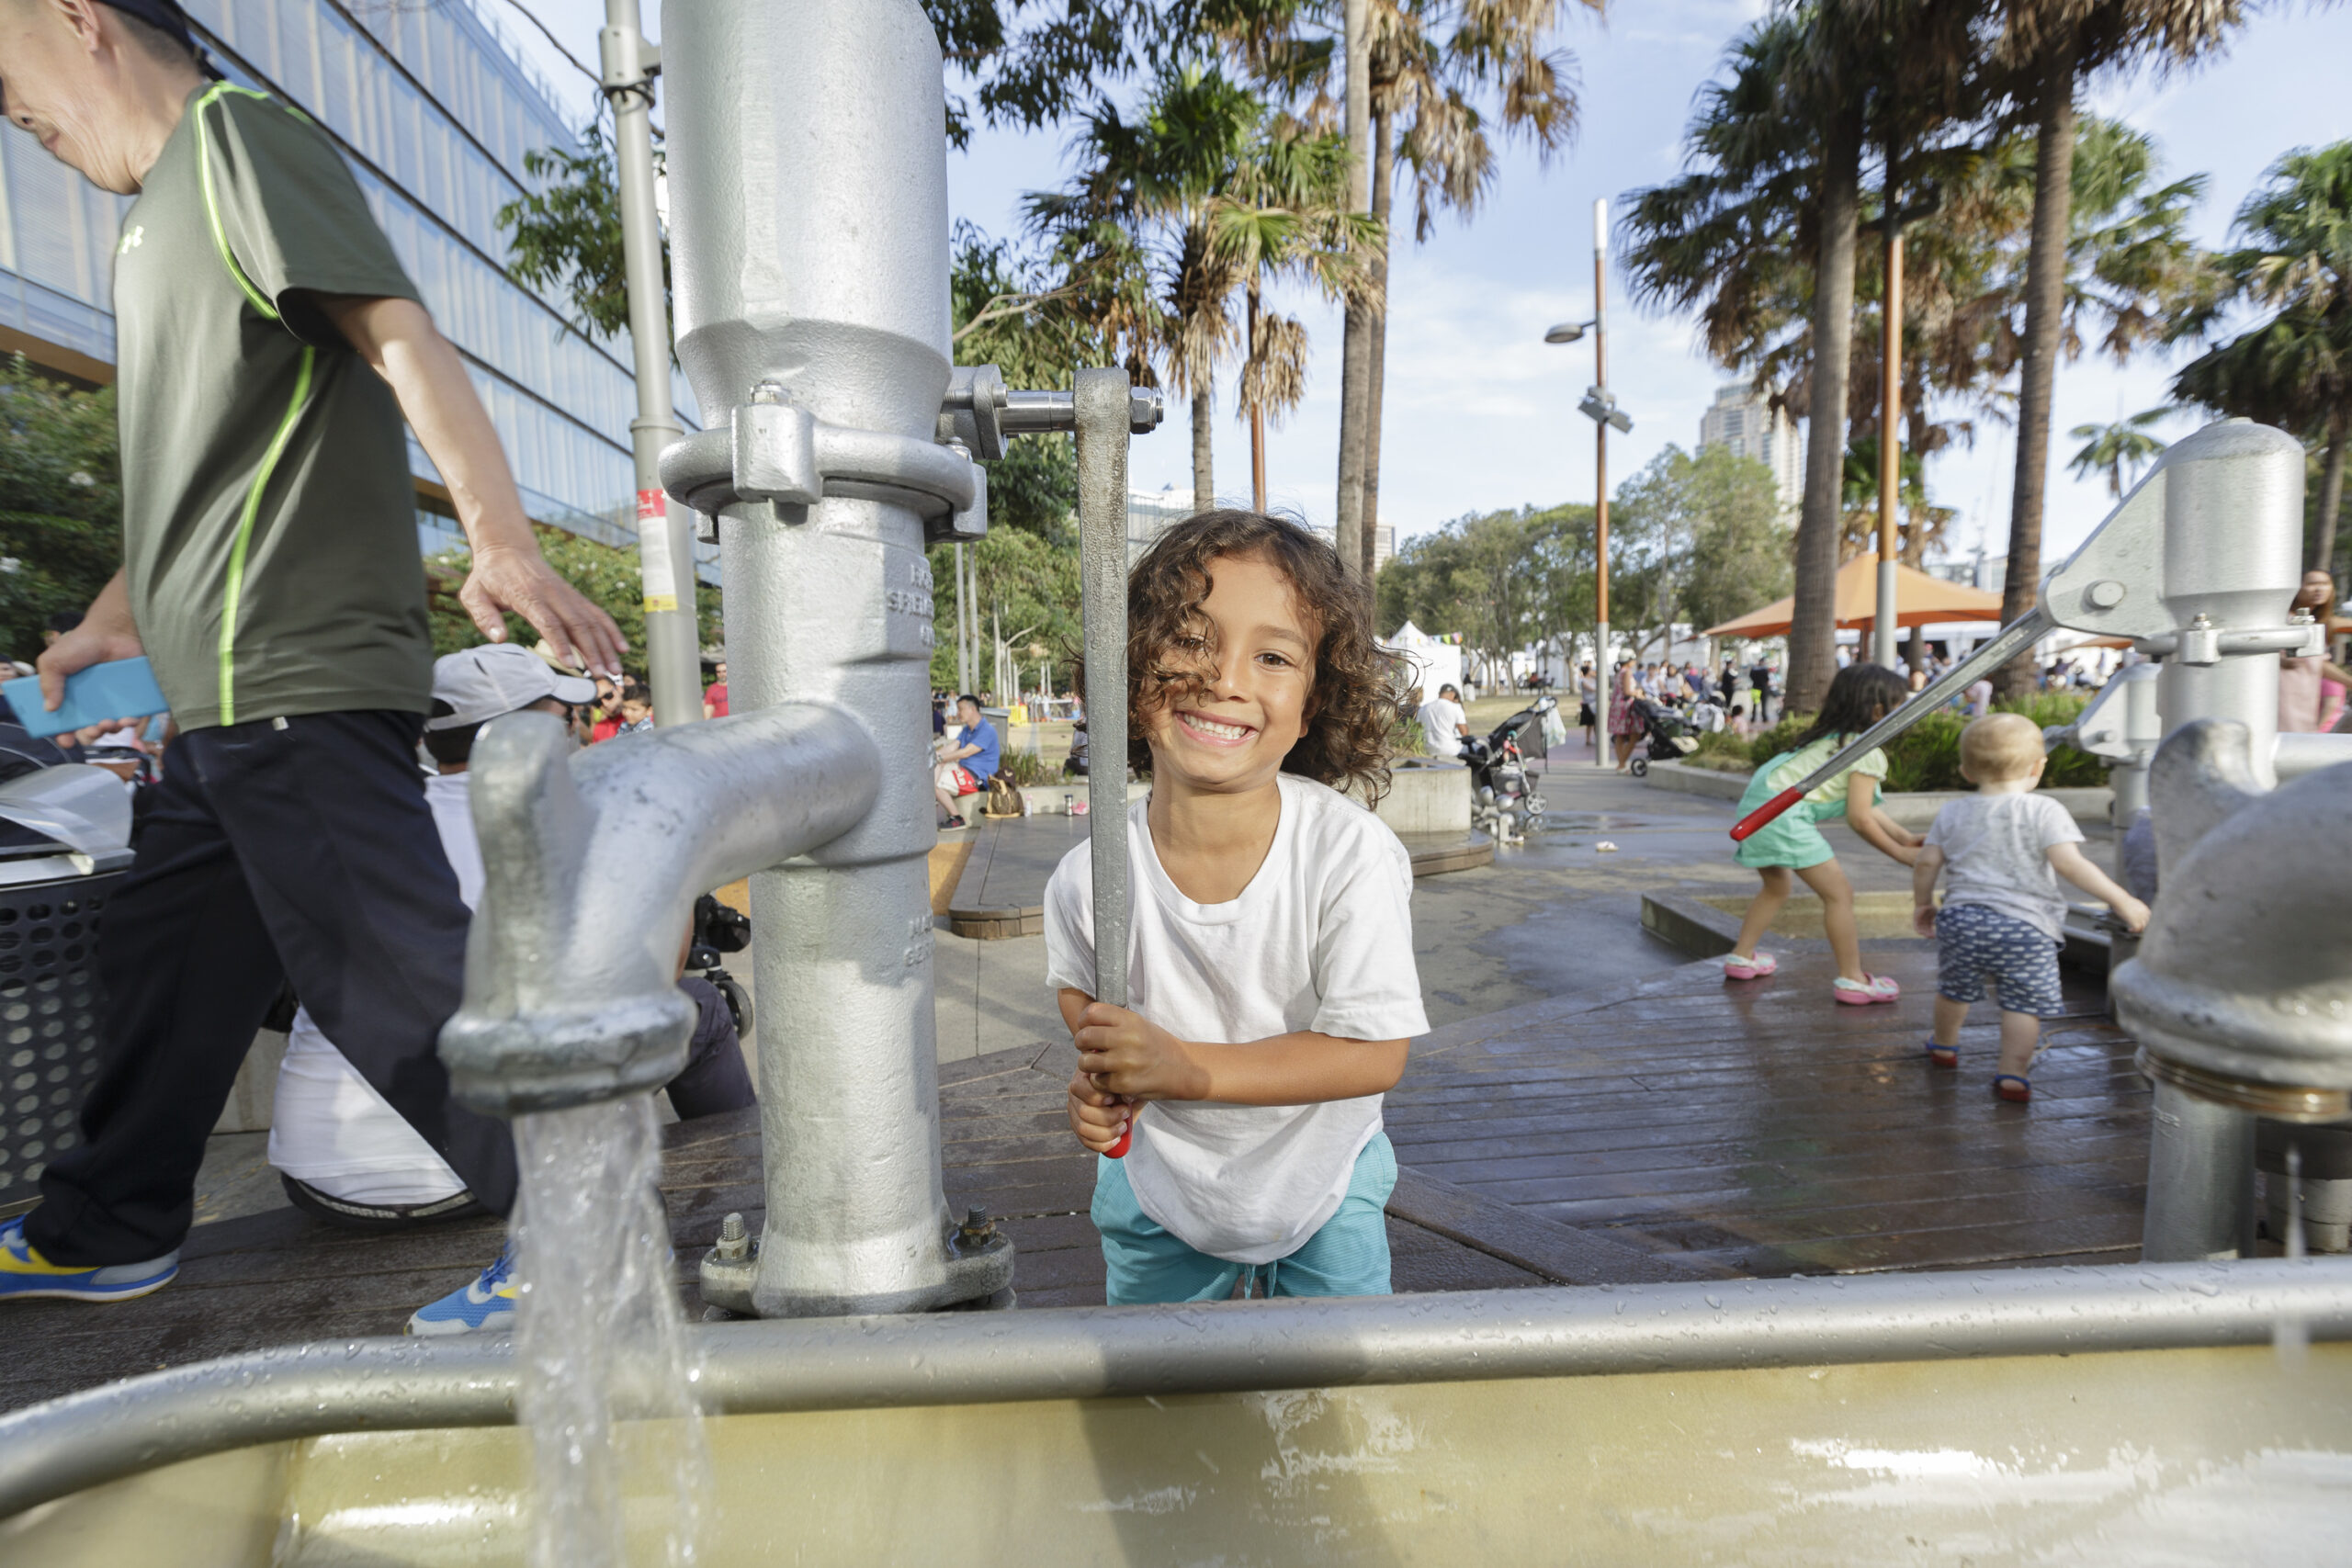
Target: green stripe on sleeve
<point>212,204</point>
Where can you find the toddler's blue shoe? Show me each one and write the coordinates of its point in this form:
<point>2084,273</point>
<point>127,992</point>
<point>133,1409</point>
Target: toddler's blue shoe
<point>483,1305</point>
<point>25,1272</point>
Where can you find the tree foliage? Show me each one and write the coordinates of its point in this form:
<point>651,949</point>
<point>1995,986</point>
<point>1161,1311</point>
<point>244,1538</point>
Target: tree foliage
<point>1696,538</point>
<point>1025,591</point>
<point>1197,196</point>
<point>2293,367</point>
<point>1701,538</point>
<point>61,501</point>
<point>564,238</point>
<point>1503,580</point>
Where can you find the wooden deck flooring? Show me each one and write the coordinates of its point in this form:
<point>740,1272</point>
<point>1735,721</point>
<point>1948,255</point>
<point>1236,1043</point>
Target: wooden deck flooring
<point>1676,1128</point>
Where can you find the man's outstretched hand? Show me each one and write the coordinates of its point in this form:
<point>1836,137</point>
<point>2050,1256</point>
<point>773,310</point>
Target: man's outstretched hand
<point>579,630</point>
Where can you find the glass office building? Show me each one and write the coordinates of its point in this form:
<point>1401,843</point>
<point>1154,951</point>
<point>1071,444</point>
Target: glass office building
<point>434,111</point>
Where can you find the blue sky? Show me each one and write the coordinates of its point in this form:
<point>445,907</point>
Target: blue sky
<point>1480,413</point>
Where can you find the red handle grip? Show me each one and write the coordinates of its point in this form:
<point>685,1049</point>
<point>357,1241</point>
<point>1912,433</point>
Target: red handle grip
<point>1119,1149</point>
<point>1766,812</point>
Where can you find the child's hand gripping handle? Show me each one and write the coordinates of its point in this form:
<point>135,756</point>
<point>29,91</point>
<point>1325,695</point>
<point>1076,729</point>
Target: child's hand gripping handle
<point>1101,399</point>
<point>2013,639</point>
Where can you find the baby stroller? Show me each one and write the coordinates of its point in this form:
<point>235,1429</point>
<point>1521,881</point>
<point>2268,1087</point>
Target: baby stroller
<point>1666,737</point>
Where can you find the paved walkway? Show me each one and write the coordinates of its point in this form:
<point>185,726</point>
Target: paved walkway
<point>1586,1108</point>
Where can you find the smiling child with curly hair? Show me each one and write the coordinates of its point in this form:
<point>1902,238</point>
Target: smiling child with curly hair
<point>1269,945</point>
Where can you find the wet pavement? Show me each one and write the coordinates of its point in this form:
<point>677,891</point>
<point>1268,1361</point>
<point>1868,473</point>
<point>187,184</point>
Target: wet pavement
<point>1589,1106</point>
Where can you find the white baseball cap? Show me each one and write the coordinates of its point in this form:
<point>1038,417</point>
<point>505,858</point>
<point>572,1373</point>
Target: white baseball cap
<point>479,683</point>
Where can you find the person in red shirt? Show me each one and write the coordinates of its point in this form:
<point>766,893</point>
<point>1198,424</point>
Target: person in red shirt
<point>607,710</point>
<point>713,700</point>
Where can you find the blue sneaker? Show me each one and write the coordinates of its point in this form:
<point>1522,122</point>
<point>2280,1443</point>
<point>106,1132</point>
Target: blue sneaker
<point>25,1272</point>
<point>485,1305</point>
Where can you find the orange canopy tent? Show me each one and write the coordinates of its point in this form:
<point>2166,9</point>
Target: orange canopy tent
<point>1919,599</point>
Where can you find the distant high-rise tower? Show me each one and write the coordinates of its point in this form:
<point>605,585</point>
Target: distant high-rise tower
<point>1745,419</point>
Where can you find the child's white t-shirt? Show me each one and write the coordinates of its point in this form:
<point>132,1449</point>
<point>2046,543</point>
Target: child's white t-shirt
<point>1321,939</point>
<point>1996,854</point>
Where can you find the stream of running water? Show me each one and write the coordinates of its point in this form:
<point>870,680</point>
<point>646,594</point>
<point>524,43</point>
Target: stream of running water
<point>619,1464</point>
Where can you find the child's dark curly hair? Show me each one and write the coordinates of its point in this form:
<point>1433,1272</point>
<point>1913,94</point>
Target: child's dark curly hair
<point>1353,705</point>
<point>1859,695</point>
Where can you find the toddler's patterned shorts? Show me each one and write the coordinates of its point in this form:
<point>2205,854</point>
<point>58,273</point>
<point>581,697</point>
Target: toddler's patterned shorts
<point>1974,944</point>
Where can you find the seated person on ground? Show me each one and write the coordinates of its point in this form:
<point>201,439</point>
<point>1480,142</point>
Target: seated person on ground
<point>342,1152</point>
<point>967,760</point>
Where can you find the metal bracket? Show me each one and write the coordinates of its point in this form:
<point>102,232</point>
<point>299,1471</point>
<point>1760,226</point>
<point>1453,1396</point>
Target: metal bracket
<point>775,451</point>
<point>629,62</point>
<point>2114,582</point>
<point>2202,642</point>
<point>980,413</point>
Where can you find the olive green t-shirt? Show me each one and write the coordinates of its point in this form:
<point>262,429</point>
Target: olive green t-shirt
<point>269,523</point>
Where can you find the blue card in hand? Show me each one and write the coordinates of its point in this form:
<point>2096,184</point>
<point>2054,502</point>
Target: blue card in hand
<point>122,688</point>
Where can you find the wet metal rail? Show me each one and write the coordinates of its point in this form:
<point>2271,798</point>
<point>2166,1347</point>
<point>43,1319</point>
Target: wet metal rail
<point>752,1368</point>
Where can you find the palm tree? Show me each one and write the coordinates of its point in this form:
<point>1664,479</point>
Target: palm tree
<point>1441,72</point>
<point>1286,216</point>
<point>2056,44</point>
<point>1760,236</point>
<point>1206,193</point>
<point>2118,450</point>
<point>2295,369</point>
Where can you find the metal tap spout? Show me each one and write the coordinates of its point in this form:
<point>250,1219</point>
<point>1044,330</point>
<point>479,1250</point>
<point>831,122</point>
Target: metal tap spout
<point>592,861</point>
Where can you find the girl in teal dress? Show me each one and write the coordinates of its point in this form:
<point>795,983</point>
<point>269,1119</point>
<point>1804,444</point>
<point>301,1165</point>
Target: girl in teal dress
<point>1791,846</point>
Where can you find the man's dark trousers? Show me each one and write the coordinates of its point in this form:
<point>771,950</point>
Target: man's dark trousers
<point>300,849</point>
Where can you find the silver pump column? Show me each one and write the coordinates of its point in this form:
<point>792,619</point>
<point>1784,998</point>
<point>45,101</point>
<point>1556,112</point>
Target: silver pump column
<point>808,248</point>
<point>2199,564</point>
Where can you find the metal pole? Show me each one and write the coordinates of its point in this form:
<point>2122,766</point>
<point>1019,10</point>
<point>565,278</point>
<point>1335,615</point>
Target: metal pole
<point>2201,1180</point>
<point>1890,440</point>
<point>963,639</point>
<point>1101,398</point>
<point>664,529</point>
<point>1604,677</point>
<point>292,1391</point>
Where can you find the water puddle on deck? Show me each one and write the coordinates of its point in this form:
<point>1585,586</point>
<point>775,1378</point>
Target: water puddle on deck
<point>618,1459</point>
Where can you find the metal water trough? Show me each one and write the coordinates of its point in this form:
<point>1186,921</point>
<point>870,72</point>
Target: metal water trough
<point>2003,1416</point>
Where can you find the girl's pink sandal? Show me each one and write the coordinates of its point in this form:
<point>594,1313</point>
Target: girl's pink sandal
<point>1756,968</point>
<point>1864,992</point>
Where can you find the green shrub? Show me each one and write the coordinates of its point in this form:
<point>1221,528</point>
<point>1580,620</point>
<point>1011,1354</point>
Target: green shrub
<point>1722,750</point>
<point>1026,769</point>
<point>1927,756</point>
<point>1782,736</point>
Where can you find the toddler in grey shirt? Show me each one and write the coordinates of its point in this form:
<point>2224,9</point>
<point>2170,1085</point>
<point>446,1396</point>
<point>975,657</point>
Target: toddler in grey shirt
<point>2005,847</point>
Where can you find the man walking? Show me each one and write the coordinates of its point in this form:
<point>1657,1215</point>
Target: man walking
<point>269,345</point>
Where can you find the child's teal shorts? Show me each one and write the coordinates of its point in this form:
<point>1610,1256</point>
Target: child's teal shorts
<point>1790,839</point>
<point>1349,1257</point>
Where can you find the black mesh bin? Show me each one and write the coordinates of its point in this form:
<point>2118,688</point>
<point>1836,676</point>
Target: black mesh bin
<point>49,1022</point>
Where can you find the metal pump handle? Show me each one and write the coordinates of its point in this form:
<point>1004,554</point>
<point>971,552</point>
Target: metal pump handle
<point>1102,411</point>
<point>2013,639</point>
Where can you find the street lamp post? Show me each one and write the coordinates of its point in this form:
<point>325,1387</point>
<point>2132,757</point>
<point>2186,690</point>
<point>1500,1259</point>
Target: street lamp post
<point>1602,408</point>
<point>1890,440</point>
